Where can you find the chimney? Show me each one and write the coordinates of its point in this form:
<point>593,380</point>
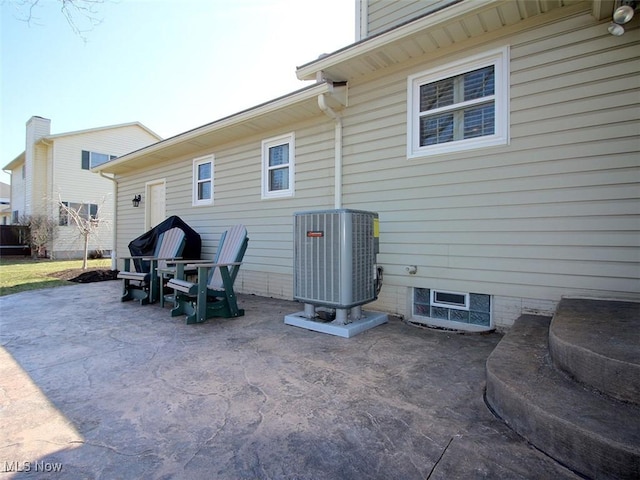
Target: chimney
<point>35,164</point>
<point>37,127</point>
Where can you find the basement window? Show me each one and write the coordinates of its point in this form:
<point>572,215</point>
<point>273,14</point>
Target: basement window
<point>445,308</point>
<point>440,298</point>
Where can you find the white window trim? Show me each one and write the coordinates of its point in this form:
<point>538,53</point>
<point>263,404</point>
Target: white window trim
<point>500,59</point>
<point>454,306</point>
<point>272,142</point>
<point>196,163</point>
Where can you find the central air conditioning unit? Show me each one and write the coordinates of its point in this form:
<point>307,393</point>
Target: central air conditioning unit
<point>335,270</point>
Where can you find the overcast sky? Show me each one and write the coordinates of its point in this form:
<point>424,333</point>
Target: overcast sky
<point>172,65</point>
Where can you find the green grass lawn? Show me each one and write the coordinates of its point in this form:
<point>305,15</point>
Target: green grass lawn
<point>20,274</point>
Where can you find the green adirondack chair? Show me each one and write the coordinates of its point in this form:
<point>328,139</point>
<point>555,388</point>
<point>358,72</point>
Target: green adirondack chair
<point>146,286</point>
<point>212,295</point>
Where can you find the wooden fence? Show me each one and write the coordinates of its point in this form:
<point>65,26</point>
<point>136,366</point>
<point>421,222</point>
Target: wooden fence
<point>14,240</point>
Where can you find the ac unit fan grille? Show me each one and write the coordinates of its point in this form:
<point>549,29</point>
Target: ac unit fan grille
<point>334,258</point>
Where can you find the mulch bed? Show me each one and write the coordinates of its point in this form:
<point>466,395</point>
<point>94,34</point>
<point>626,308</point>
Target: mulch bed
<point>86,276</point>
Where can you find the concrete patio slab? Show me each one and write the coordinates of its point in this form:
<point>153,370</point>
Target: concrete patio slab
<point>92,388</point>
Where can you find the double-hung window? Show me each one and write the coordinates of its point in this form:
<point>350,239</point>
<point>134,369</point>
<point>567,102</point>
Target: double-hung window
<point>203,180</point>
<point>278,166</point>
<point>459,106</point>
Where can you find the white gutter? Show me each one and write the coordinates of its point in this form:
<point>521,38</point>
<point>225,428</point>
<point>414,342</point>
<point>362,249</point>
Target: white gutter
<point>331,113</point>
<point>307,93</point>
<point>114,264</point>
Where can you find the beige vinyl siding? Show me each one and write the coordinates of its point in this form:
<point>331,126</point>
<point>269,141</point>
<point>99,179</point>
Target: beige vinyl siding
<point>554,213</point>
<point>386,14</point>
<point>71,183</point>
<point>237,199</point>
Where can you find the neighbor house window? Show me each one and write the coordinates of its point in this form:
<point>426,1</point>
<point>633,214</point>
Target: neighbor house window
<point>88,211</point>
<point>460,106</point>
<point>93,159</point>
<point>278,166</point>
<point>203,180</point>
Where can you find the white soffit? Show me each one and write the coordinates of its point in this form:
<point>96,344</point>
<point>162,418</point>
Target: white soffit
<point>441,29</point>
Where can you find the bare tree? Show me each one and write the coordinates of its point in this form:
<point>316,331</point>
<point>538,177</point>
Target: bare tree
<point>81,15</point>
<point>86,221</point>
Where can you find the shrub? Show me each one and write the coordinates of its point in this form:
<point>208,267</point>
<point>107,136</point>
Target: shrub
<point>42,231</point>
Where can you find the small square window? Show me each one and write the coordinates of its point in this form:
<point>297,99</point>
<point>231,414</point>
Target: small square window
<point>278,167</point>
<point>203,180</point>
<point>446,299</point>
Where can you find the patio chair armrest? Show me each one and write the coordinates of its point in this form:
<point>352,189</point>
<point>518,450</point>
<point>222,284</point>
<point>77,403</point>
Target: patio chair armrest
<point>188,264</point>
<point>182,285</point>
<point>212,265</point>
<point>162,271</point>
<point>148,258</point>
<point>190,261</point>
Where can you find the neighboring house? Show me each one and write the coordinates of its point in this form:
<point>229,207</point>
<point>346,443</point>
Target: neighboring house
<point>5,203</point>
<point>497,140</point>
<point>58,168</point>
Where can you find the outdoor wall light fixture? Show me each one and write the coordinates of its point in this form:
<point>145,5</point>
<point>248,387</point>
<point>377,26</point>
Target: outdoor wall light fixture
<point>622,14</point>
<point>136,200</point>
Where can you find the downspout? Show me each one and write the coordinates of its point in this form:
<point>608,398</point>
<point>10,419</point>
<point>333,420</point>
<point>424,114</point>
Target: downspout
<point>114,265</point>
<point>50,181</point>
<point>331,113</point>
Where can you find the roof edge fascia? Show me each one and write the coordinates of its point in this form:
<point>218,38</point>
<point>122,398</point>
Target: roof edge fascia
<point>309,70</point>
<point>99,129</point>
<point>16,161</point>
<point>224,122</point>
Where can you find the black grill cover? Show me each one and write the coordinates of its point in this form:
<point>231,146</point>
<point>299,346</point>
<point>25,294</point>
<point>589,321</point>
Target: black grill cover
<point>145,244</point>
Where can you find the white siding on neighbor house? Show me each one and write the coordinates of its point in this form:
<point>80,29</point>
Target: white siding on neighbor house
<point>38,178</point>
<point>70,183</point>
<point>237,199</point>
<point>18,191</point>
<point>35,165</point>
<point>385,14</point>
<point>554,213</point>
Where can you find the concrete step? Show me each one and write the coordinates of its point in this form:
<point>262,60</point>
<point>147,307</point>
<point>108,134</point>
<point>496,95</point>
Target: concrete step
<point>593,434</point>
<point>598,343</point>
